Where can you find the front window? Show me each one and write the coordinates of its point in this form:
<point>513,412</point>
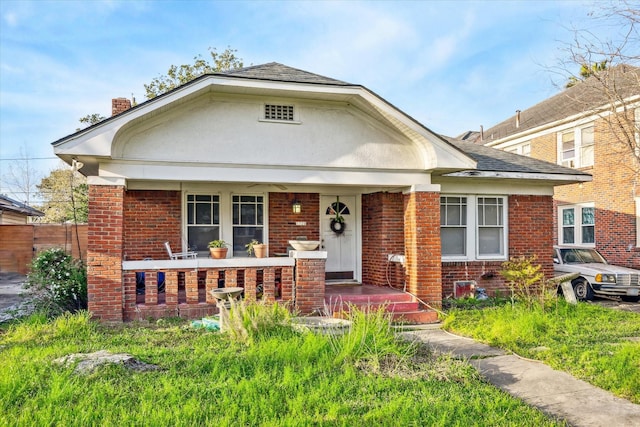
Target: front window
<point>577,224</point>
<point>248,222</point>
<point>473,227</point>
<point>490,226</point>
<point>203,221</point>
<point>453,225</point>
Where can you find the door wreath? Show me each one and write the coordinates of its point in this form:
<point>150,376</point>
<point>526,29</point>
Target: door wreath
<point>337,225</point>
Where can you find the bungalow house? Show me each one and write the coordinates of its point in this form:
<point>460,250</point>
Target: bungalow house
<point>273,153</point>
<point>593,127</point>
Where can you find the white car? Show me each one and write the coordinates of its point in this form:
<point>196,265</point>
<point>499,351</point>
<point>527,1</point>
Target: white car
<point>597,276</point>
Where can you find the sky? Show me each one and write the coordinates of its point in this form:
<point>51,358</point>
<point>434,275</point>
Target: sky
<point>451,65</point>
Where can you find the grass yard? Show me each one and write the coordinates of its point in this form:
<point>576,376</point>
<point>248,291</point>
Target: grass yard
<point>596,344</point>
<point>272,376</point>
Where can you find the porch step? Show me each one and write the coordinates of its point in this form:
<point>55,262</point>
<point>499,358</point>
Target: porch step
<point>402,306</point>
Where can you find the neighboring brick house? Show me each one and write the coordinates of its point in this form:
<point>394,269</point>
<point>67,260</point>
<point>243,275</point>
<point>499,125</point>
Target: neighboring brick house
<point>592,128</point>
<point>272,152</point>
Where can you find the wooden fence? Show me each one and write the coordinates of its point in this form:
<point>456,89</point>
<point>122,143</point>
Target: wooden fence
<point>19,244</point>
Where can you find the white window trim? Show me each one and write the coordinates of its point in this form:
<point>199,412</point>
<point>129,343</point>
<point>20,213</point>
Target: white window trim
<point>472,240</point>
<point>577,226</point>
<point>520,148</point>
<point>577,141</point>
<point>226,194</point>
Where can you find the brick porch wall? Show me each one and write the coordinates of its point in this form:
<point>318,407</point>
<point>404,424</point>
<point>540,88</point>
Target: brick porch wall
<point>422,246</point>
<point>382,234</point>
<point>282,220</point>
<point>104,251</point>
<point>530,233</point>
<point>150,219</point>
<point>309,290</point>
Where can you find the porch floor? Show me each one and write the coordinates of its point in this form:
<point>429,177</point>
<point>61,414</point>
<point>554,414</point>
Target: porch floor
<point>357,289</point>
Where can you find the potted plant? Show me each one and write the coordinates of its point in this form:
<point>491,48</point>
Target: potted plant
<point>254,246</point>
<point>218,249</point>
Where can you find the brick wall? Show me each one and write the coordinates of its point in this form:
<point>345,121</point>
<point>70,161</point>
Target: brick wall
<point>282,220</point>
<point>382,234</point>
<point>150,219</point>
<point>104,251</point>
<point>309,279</point>
<point>529,235</point>
<point>612,191</point>
<point>422,246</point>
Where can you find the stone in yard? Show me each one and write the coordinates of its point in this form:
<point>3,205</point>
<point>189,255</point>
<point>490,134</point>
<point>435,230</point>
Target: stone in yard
<point>87,363</point>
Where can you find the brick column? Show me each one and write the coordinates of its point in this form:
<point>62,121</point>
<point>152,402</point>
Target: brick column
<point>422,246</point>
<point>104,252</point>
<point>309,281</point>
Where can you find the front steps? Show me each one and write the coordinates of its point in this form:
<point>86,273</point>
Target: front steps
<point>403,307</point>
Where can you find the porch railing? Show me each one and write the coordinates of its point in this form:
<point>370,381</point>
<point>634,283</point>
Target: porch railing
<point>183,287</point>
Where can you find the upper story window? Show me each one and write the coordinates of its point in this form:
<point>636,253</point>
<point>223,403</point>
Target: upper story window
<point>279,112</point>
<point>473,227</point>
<point>522,149</point>
<point>577,224</point>
<point>576,147</point>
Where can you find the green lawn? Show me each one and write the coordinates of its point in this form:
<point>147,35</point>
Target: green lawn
<point>275,377</point>
<point>596,344</point>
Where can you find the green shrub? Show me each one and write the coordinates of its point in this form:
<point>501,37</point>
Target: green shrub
<point>526,281</point>
<point>57,283</point>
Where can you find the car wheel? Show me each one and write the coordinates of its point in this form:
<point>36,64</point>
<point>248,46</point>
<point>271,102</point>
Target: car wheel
<point>583,290</point>
<point>630,299</point>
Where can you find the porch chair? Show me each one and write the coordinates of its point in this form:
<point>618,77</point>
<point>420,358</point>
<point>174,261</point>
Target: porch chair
<point>183,255</point>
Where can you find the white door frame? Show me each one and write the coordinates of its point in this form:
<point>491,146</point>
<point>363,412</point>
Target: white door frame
<point>356,213</point>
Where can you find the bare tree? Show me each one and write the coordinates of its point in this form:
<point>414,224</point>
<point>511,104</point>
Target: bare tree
<point>601,65</point>
<point>21,178</point>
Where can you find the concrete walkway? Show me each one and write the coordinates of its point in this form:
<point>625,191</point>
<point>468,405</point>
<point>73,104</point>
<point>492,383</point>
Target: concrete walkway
<point>556,393</point>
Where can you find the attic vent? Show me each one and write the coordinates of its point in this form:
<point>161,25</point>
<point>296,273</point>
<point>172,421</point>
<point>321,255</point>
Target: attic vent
<point>278,112</point>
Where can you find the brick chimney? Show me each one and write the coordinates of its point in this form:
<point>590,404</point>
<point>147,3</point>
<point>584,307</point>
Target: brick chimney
<point>119,105</point>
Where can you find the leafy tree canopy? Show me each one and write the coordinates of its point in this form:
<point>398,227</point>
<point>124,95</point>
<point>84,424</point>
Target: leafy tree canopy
<point>587,71</point>
<point>179,75</point>
<point>65,196</point>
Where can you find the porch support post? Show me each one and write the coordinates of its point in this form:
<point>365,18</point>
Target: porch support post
<point>104,252</point>
<point>422,245</point>
<point>308,288</point>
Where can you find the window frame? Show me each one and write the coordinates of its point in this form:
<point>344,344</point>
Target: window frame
<point>473,228</point>
<point>577,226</point>
<point>579,148</point>
<point>225,224</point>
<point>215,200</point>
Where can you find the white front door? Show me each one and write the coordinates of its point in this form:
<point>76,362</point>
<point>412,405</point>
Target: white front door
<point>340,244</point>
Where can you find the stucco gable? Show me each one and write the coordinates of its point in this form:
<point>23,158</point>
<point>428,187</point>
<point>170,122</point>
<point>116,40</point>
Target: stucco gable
<point>340,125</point>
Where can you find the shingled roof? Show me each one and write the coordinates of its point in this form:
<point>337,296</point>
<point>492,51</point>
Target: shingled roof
<point>8,204</point>
<point>493,160</point>
<point>282,73</point>
<point>583,98</point>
